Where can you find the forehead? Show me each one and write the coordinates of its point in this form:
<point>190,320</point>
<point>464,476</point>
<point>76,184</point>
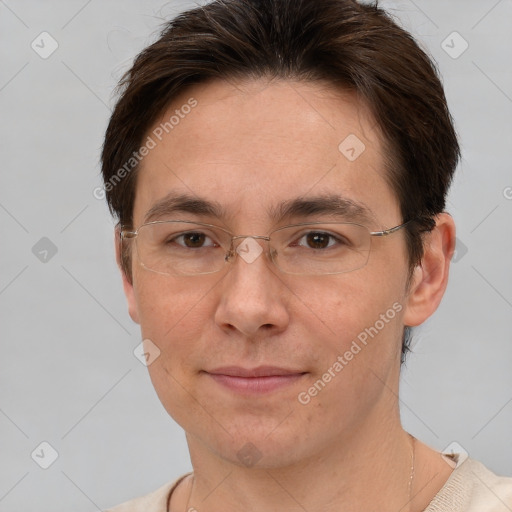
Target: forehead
<point>250,146</point>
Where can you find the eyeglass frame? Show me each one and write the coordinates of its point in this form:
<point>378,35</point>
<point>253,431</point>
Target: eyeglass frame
<point>231,252</point>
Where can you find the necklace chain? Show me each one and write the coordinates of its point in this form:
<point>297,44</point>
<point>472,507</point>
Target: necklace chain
<point>411,478</point>
<point>413,456</point>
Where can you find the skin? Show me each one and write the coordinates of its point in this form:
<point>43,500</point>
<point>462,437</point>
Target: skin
<point>250,145</point>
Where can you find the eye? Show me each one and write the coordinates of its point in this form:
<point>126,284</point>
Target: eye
<point>193,240</point>
<point>319,240</point>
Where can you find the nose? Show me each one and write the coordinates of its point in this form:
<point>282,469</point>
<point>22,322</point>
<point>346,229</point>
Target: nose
<point>254,298</point>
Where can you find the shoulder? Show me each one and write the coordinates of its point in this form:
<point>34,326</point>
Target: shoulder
<point>155,501</point>
<point>472,487</point>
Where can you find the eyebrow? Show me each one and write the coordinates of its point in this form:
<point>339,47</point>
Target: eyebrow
<point>339,207</point>
<point>183,203</point>
<point>334,205</point>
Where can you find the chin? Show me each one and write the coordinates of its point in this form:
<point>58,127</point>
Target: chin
<point>260,444</point>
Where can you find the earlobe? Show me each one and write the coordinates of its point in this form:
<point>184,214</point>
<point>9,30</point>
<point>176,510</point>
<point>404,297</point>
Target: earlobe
<point>129,292</point>
<point>430,278</point>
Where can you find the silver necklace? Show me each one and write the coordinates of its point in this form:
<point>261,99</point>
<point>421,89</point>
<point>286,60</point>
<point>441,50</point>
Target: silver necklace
<point>413,456</point>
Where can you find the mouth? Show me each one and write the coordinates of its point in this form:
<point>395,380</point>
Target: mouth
<point>262,379</point>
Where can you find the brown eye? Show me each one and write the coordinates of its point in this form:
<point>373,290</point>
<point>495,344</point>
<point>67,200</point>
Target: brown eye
<point>190,240</point>
<point>193,240</point>
<point>318,240</point>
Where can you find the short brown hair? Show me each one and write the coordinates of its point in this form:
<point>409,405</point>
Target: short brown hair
<point>350,45</point>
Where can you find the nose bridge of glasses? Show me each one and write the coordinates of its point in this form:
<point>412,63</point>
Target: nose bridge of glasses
<point>246,246</point>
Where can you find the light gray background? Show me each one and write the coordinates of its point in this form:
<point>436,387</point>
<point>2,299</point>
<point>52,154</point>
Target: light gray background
<point>68,373</point>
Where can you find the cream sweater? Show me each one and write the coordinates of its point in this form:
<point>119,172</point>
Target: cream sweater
<point>470,488</point>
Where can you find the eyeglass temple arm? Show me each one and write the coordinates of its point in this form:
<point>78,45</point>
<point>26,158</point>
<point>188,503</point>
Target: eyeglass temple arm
<point>123,233</point>
<point>389,231</point>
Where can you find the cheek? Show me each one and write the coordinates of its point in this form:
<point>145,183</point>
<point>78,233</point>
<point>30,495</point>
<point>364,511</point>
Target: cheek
<point>167,304</point>
<point>347,304</point>
<point>361,353</point>
<point>356,329</point>
<point>173,316</point>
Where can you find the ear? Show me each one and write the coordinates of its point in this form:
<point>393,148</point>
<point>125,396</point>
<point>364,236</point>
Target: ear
<point>127,283</point>
<point>430,277</point>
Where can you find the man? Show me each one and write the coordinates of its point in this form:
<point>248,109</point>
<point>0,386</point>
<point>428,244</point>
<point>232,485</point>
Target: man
<point>279,171</point>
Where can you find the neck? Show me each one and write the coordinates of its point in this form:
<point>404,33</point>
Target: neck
<point>367,468</point>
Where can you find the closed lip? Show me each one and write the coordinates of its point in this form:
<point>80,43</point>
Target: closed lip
<point>260,371</point>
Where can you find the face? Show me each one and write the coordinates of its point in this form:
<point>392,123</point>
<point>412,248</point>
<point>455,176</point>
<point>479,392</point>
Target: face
<point>250,147</point>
